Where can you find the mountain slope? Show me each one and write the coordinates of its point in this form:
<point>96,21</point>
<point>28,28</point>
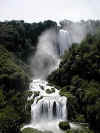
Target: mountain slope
<point>79,79</point>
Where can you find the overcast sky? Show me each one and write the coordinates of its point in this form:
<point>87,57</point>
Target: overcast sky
<point>39,10</point>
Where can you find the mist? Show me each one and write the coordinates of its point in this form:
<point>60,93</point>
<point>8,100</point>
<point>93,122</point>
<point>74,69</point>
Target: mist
<point>77,30</point>
<point>52,44</point>
<point>46,57</point>
<point>73,32</point>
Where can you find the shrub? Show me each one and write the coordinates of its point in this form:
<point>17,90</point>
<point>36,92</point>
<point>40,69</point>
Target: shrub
<point>49,91</point>
<point>64,125</point>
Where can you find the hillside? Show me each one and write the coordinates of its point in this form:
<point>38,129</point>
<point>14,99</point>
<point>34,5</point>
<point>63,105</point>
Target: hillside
<point>13,82</point>
<point>78,78</point>
<point>18,41</point>
<point>21,37</point>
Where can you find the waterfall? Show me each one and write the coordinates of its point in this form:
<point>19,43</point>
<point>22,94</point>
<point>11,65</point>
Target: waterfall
<point>73,32</point>
<point>46,58</point>
<point>51,106</point>
<point>64,40</point>
<point>48,109</point>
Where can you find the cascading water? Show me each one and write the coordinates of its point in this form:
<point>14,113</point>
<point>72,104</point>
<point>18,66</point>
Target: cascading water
<point>64,40</point>
<point>48,108</point>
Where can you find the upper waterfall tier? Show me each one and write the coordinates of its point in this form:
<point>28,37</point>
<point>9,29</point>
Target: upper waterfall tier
<point>64,41</point>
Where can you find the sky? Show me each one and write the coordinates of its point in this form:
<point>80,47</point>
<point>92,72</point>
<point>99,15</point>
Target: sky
<point>57,10</point>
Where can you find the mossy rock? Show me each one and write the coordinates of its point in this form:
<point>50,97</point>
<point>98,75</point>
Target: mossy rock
<point>64,125</point>
<point>53,90</point>
<point>49,91</point>
<point>36,93</point>
<point>41,87</point>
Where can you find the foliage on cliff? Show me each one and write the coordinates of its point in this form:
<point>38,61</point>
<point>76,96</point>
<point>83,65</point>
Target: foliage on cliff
<point>21,37</point>
<point>18,40</point>
<point>79,79</point>
<point>13,81</point>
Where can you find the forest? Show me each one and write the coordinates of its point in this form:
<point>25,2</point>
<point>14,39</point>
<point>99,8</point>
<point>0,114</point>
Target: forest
<point>78,78</point>
<point>78,75</point>
<point>18,41</point>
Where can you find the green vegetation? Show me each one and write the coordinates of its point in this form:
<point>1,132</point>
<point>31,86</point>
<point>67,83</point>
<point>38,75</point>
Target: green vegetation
<point>79,77</point>
<point>79,131</point>
<point>13,81</point>
<point>49,91</point>
<point>21,38</point>
<point>64,125</point>
<point>18,41</point>
<point>31,130</point>
<point>28,93</point>
<point>36,93</point>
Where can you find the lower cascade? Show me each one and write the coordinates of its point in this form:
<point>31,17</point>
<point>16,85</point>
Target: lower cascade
<point>48,108</point>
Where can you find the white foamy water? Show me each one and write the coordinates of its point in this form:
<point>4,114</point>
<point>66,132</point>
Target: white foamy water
<point>64,41</point>
<point>49,110</point>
